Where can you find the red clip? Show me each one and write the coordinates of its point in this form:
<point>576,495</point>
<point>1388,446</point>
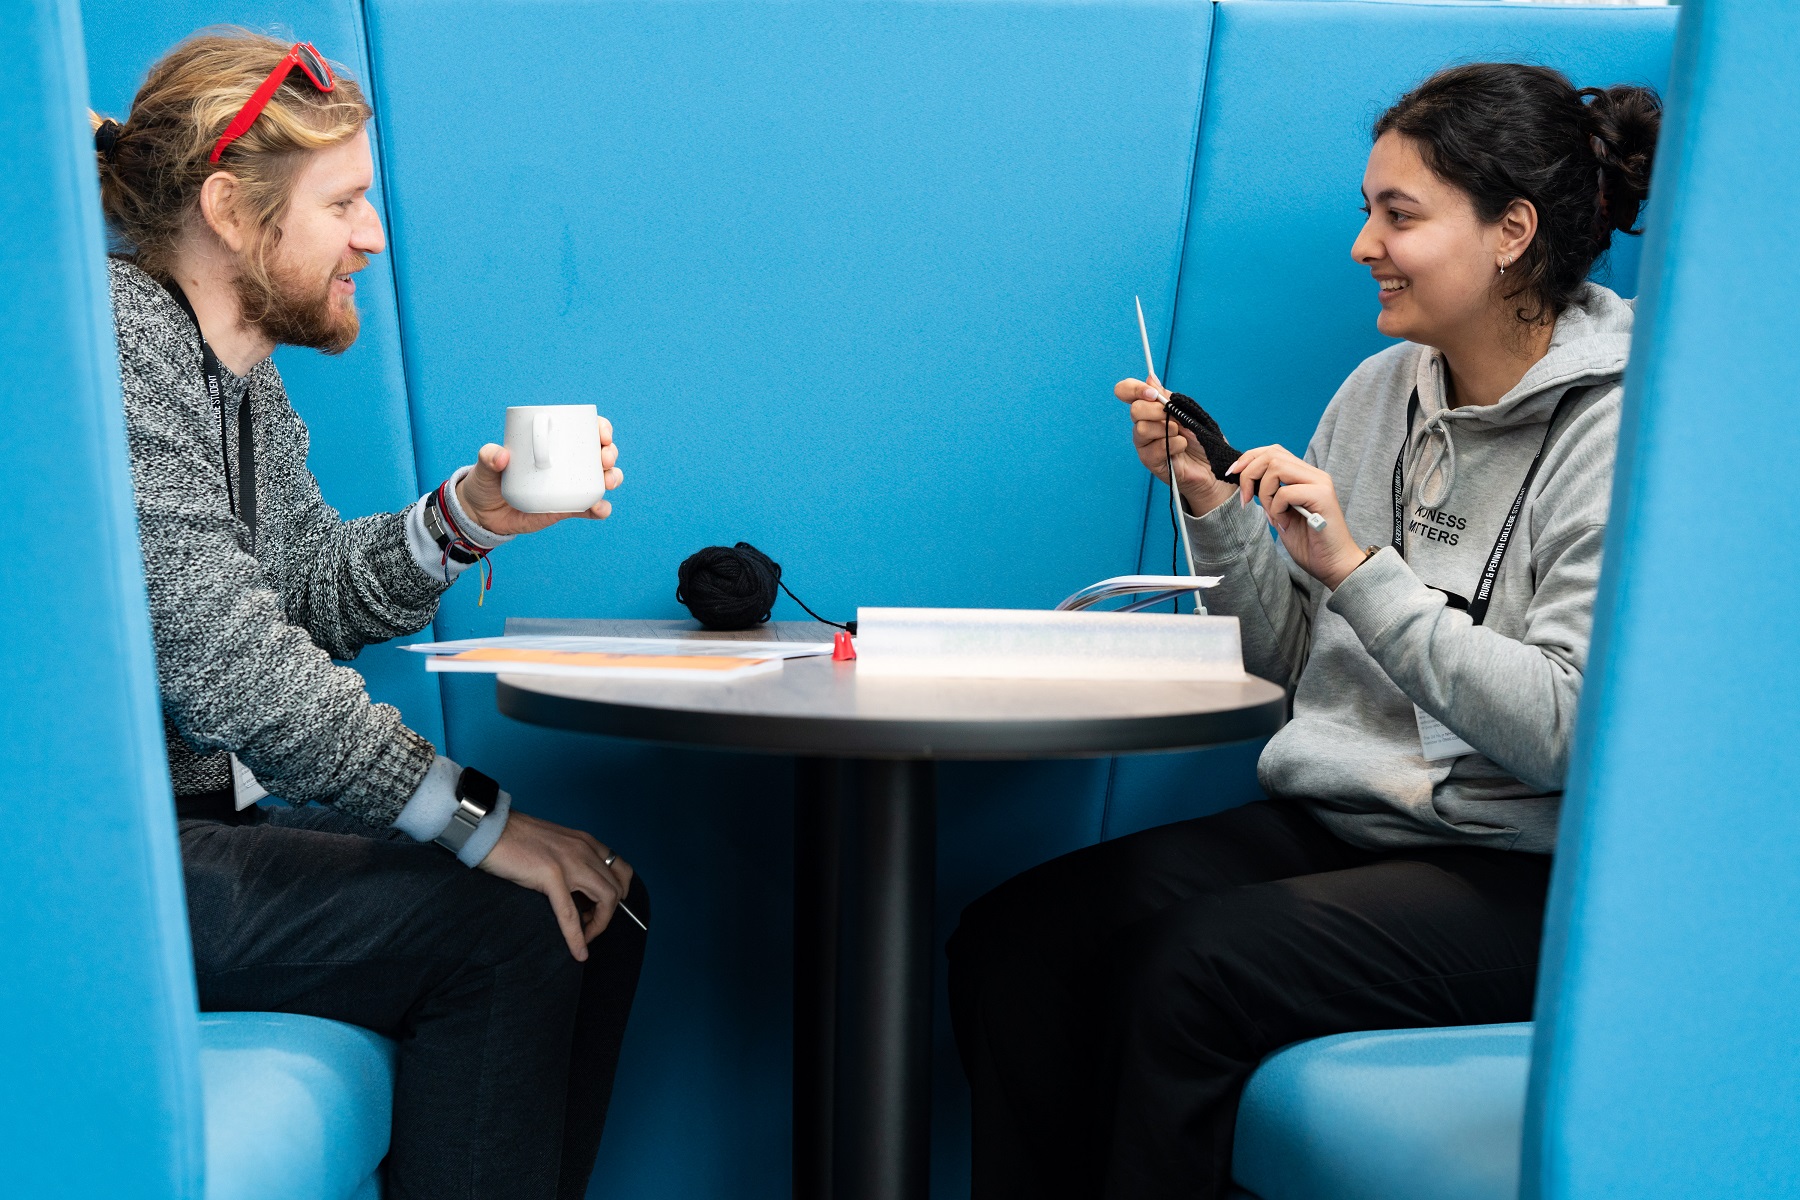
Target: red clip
<point>842,648</point>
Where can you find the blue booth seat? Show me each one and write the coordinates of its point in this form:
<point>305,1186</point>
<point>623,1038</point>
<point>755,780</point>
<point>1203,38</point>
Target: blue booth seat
<point>297,1108</point>
<point>1433,1114</point>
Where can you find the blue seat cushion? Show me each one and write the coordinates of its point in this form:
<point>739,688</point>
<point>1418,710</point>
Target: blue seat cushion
<point>1410,1114</point>
<point>297,1108</point>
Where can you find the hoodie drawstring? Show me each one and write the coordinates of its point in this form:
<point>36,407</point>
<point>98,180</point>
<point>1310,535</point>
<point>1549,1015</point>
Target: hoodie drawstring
<point>1436,479</point>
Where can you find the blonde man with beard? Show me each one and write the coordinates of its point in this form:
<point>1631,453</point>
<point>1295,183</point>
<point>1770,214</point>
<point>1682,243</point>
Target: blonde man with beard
<point>239,186</point>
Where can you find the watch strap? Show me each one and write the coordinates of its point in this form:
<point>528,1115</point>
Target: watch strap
<point>440,533</point>
<point>476,797</point>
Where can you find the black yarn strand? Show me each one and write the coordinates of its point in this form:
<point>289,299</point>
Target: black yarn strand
<point>809,612</point>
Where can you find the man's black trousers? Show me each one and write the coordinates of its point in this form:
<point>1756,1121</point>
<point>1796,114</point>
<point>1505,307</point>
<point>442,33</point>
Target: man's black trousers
<point>507,1044</point>
<point>1110,1005</point>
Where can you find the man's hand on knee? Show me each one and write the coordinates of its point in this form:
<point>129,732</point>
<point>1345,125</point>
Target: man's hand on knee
<point>562,864</point>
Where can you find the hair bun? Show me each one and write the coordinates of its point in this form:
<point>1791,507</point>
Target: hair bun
<point>106,138</point>
<point>1625,121</point>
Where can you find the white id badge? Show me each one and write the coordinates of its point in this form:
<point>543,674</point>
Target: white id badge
<point>1436,742</point>
<point>244,787</point>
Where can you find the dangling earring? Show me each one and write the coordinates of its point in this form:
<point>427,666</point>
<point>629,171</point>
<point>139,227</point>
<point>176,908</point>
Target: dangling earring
<point>1504,263</point>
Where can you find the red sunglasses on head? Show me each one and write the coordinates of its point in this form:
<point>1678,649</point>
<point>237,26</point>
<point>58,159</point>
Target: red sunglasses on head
<point>300,54</point>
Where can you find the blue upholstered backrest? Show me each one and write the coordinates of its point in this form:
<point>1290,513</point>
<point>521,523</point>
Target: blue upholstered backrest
<point>1669,1038</point>
<point>854,282</point>
<point>100,1082</point>
<point>355,405</point>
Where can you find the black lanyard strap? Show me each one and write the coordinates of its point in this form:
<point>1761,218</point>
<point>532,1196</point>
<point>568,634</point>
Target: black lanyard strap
<point>244,495</point>
<point>1484,592</point>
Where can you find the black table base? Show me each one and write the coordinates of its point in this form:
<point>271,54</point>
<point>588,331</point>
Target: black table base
<point>865,860</point>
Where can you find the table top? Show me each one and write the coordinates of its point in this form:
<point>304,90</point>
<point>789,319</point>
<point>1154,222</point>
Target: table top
<point>815,706</point>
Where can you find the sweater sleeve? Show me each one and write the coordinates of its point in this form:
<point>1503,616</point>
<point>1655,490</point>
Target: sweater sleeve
<point>1262,586</point>
<point>235,673</point>
<point>356,582</point>
<point>1259,585</point>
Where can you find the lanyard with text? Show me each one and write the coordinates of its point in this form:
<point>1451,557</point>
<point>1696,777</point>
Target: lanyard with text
<point>244,495</point>
<point>245,788</point>
<point>1484,592</point>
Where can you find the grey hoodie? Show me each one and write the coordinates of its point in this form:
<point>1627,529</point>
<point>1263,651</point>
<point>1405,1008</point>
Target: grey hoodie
<point>1357,660</point>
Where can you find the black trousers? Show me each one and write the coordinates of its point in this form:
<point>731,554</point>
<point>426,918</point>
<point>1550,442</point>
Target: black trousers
<point>507,1044</point>
<point>1110,1005</point>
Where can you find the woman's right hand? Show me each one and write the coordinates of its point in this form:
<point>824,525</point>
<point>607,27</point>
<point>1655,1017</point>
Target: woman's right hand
<point>1200,491</point>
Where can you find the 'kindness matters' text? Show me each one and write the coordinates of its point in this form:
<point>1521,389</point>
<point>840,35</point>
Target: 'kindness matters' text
<point>1436,526</point>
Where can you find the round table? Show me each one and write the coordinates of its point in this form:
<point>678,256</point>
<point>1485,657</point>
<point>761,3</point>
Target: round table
<point>866,795</point>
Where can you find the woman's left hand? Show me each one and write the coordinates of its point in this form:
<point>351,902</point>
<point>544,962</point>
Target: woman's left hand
<point>1282,481</point>
<point>480,495</point>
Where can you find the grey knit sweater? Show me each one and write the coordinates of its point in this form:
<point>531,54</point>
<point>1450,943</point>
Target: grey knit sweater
<point>245,637</point>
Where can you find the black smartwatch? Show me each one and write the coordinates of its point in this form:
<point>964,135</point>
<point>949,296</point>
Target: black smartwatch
<point>476,796</point>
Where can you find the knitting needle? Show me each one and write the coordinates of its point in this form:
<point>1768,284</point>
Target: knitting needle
<point>1149,363</point>
<point>1313,520</point>
<point>633,916</point>
<point>1150,378</point>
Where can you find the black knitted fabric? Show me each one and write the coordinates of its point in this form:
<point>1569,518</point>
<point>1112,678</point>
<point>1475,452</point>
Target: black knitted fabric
<point>1220,453</point>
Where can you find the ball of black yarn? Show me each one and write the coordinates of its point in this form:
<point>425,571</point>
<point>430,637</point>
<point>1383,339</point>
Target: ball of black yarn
<point>729,587</point>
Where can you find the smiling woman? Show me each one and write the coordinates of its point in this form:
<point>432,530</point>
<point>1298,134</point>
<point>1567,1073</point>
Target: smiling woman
<point>1433,629</point>
<point>1525,154</point>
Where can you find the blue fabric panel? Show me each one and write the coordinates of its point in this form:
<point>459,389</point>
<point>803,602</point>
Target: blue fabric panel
<point>854,282</point>
<point>1415,1114</point>
<point>99,1079</point>
<point>354,405</point>
<point>1272,314</point>
<point>1671,972</point>
<point>297,1108</point>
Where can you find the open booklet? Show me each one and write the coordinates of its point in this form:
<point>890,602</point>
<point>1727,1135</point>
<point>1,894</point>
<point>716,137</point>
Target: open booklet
<point>614,657</point>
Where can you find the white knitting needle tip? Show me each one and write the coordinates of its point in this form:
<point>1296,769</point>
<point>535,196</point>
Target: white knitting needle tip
<point>634,917</point>
<point>1149,363</point>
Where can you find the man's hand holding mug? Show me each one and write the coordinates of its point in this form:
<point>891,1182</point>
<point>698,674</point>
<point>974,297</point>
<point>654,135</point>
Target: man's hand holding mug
<point>549,461</point>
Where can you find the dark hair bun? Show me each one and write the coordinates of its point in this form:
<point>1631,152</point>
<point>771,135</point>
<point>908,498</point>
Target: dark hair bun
<point>1625,121</point>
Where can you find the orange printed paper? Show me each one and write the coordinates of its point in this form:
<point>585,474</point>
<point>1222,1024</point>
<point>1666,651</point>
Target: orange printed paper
<point>585,658</point>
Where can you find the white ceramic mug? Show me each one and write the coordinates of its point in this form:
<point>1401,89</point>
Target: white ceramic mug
<point>555,465</point>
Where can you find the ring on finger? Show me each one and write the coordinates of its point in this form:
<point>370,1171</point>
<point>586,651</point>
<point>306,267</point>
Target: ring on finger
<point>610,859</point>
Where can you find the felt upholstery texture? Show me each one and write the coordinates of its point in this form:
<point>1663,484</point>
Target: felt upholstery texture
<point>853,282</point>
<point>100,1080</point>
<point>1668,1035</point>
